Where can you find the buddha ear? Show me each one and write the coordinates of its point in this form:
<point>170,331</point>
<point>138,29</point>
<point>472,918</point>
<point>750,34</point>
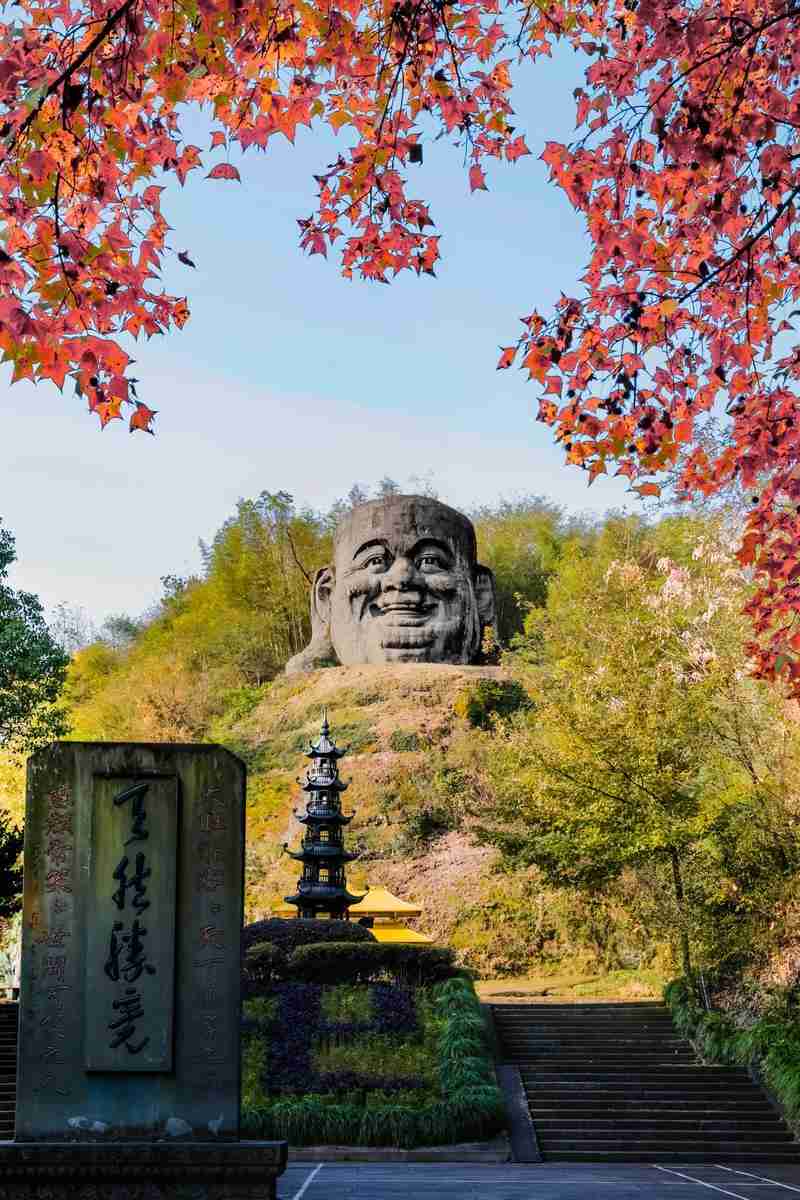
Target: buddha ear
<point>319,651</point>
<point>486,597</point>
<point>321,594</point>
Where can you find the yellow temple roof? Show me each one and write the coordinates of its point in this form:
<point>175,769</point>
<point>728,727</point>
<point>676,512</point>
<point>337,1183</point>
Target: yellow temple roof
<point>393,931</point>
<point>379,902</point>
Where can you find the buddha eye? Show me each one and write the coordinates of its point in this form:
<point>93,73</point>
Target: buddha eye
<point>431,562</point>
<point>375,560</point>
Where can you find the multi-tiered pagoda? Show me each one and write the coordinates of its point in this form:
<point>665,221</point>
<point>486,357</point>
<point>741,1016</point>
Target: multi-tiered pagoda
<point>322,888</point>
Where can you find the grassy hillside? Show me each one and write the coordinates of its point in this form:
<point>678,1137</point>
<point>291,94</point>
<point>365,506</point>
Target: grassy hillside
<point>412,764</point>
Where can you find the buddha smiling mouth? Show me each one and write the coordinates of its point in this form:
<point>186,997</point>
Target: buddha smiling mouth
<point>410,615</point>
<point>405,626</point>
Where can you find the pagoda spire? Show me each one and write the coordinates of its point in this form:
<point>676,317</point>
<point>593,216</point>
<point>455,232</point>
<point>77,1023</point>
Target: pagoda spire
<point>322,887</point>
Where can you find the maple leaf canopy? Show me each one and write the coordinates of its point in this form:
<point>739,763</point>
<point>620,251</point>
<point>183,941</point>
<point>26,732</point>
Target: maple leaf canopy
<point>686,169</point>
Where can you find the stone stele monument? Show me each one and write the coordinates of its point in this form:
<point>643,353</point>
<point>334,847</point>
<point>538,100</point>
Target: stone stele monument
<point>128,1077</point>
<point>405,586</point>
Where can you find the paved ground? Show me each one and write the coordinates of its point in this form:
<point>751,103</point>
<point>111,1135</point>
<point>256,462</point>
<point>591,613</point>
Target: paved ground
<point>552,1181</point>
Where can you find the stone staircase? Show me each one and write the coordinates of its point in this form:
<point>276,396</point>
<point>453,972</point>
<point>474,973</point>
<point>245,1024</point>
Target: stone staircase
<point>8,1069</point>
<point>615,1083</point>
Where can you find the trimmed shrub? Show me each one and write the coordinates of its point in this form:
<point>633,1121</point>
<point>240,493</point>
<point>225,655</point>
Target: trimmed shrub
<point>264,965</point>
<point>345,962</point>
<point>290,933</point>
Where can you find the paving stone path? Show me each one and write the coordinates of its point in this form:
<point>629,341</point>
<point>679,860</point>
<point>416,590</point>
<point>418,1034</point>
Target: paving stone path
<point>548,1181</point>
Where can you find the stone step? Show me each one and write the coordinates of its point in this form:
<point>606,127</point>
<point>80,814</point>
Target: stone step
<point>579,1110</point>
<point>651,1145</point>
<point>687,1157</point>
<point>540,1079</point>
<point>591,1006</point>
<point>764,1128</point>
<point>720,1102</point>
<point>573,1061</point>
<point>620,1084</point>
<point>677,1055</point>
<point>541,1020</point>
<point>620,1045</point>
<point>600,1029</point>
<point>614,1083</point>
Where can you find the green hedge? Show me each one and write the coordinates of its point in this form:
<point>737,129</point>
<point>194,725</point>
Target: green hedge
<point>264,964</point>
<point>772,1044</point>
<point>472,1109</point>
<point>362,962</point>
<point>289,933</point>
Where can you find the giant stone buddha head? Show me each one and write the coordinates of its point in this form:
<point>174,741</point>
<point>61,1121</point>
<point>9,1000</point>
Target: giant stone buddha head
<point>405,586</point>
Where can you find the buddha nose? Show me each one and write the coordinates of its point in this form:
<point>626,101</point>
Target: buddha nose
<point>401,576</point>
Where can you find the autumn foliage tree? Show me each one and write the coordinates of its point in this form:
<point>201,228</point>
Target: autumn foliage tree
<point>686,169</point>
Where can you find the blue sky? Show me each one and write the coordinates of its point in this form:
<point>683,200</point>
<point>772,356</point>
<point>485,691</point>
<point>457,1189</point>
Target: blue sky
<point>290,377</point>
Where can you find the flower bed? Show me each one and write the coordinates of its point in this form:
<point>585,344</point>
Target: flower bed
<point>371,1065</point>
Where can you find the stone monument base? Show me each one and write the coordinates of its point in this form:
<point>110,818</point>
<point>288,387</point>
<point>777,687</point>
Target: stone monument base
<point>141,1170</point>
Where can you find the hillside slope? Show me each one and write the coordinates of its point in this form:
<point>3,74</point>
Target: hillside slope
<point>414,740</point>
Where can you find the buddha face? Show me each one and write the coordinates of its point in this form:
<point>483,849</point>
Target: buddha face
<point>405,585</point>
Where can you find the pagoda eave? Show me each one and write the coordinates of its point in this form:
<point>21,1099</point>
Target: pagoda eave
<point>323,785</point>
<point>329,816</point>
<point>312,855</point>
<point>317,751</point>
<point>320,895</point>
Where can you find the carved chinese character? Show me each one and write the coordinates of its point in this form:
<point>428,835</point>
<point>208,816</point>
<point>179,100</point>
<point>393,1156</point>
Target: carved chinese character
<point>58,852</point>
<point>58,823</point>
<point>60,905</point>
<point>208,963</point>
<point>49,1082</point>
<point>55,965</point>
<point>214,798</point>
<point>55,938</point>
<point>58,881</point>
<point>129,951</point>
<point>210,878</point>
<point>136,882</point>
<point>213,822</point>
<point>210,935</point>
<point>211,855</point>
<point>59,798</point>
<point>53,990</point>
<point>131,1010</point>
<point>136,795</point>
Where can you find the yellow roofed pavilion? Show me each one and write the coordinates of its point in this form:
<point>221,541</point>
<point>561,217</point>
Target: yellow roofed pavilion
<point>387,913</point>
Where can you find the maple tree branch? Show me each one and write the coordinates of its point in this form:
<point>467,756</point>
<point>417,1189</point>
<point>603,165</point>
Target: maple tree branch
<point>746,246</point>
<point>85,54</point>
<point>400,66</point>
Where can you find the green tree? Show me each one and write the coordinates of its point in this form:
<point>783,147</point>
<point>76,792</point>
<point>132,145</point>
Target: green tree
<point>522,541</point>
<point>32,665</point>
<point>648,748</point>
<point>10,872</point>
